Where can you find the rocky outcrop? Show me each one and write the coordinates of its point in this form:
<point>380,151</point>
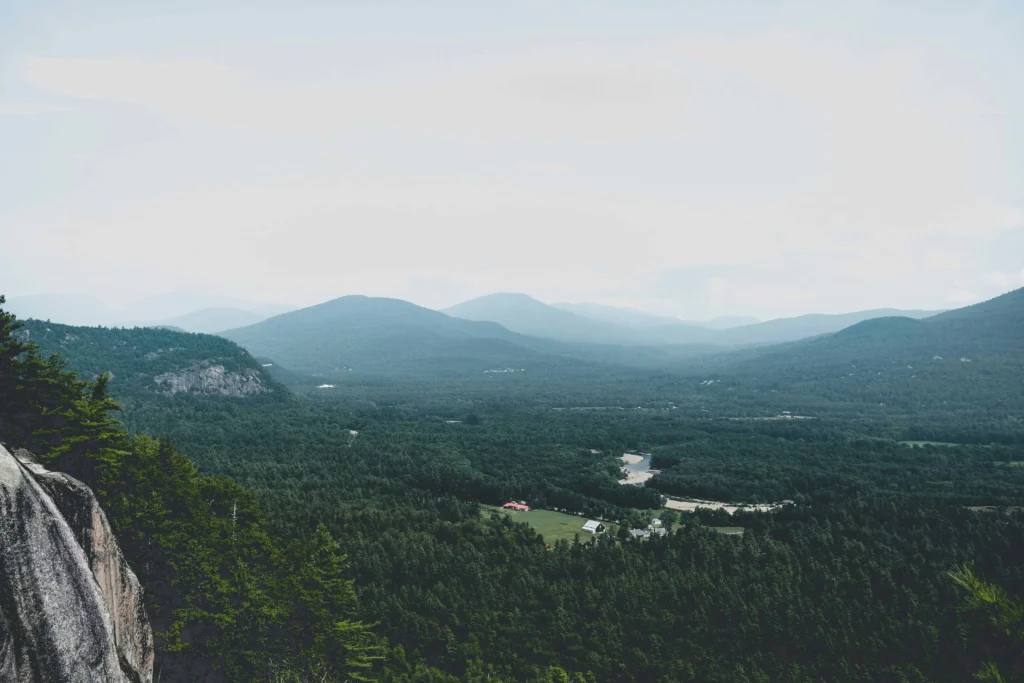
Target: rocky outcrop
<point>213,380</point>
<point>70,607</point>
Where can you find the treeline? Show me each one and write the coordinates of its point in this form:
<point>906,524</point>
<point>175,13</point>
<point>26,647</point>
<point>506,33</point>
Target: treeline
<point>227,600</point>
<point>763,470</point>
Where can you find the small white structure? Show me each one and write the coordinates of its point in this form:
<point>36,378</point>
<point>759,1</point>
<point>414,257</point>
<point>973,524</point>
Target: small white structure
<point>648,532</point>
<point>593,527</point>
<point>655,523</point>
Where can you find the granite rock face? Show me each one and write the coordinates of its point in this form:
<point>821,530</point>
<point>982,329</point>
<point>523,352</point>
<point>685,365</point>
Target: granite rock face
<point>70,607</point>
<point>212,379</point>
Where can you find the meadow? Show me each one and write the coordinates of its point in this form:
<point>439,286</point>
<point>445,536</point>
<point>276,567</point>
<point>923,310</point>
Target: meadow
<point>553,526</point>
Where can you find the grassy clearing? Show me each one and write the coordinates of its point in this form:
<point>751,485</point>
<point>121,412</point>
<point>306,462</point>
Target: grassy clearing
<point>553,526</point>
<point>728,530</point>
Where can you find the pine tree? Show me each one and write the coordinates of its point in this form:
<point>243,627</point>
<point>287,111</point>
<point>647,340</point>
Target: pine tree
<point>1004,618</point>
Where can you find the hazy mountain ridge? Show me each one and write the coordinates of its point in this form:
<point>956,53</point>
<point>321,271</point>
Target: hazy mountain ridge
<point>212,320</point>
<point>810,325</point>
<point>359,336</point>
<point>598,324</point>
<point>356,337</point>
<point>190,312</point>
<point>526,315</point>
<point>380,336</point>
<point>968,357</point>
<point>638,319</point>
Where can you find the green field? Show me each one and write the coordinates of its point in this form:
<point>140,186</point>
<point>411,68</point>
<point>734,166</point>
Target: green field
<point>728,530</point>
<point>553,526</point>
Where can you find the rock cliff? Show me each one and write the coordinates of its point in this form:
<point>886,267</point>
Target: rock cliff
<point>70,607</point>
<point>211,379</point>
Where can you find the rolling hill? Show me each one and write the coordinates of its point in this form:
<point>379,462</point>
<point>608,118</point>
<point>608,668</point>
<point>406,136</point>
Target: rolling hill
<point>152,361</point>
<point>726,322</point>
<point>802,327</point>
<point>597,324</point>
<point>972,356</point>
<point>368,336</point>
<point>619,315</point>
<point>642,320</point>
<point>526,315</point>
<point>212,320</point>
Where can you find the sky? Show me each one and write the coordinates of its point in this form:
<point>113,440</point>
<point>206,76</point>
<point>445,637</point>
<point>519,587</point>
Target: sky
<point>691,158</point>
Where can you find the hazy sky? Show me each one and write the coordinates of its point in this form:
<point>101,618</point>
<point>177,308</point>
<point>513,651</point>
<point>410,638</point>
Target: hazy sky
<point>695,158</point>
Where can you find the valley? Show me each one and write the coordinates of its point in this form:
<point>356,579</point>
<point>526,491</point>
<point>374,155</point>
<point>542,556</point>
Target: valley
<point>411,458</point>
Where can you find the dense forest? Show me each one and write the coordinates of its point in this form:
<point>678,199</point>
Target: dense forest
<point>340,532</point>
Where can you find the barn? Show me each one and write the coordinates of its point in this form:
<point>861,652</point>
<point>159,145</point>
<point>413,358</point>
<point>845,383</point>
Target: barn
<point>522,507</point>
<point>593,527</point>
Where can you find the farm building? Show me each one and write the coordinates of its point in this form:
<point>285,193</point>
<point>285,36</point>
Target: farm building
<point>648,532</point>
<point>593,527</point>
<point>523,507</point>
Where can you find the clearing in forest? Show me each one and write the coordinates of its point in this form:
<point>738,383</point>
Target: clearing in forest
<point>552,525</point>
<point>691,505</point>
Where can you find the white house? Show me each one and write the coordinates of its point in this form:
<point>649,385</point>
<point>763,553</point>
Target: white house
<point>593,527</point>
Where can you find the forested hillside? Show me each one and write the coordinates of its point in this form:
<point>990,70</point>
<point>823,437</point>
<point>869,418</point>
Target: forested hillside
<point>144,361</point>
<point>387,337</point>
<point>968,360</point>
<point>806,326</point>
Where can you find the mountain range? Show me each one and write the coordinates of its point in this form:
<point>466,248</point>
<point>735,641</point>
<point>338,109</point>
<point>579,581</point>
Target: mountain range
<point>595,324</point>
<point>391,337</point>
<point>631,317</point>
<point>969,356</point>
<point>585,323</point>
<point>962,359</point>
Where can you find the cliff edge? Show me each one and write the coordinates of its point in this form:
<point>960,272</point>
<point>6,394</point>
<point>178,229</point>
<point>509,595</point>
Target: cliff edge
<point>70,607</point>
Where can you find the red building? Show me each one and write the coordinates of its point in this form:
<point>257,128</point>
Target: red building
<point>516,506</point>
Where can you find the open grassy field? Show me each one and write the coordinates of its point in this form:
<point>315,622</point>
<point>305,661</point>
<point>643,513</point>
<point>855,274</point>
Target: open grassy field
<point>551,525</point>
<point>728,530</point>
